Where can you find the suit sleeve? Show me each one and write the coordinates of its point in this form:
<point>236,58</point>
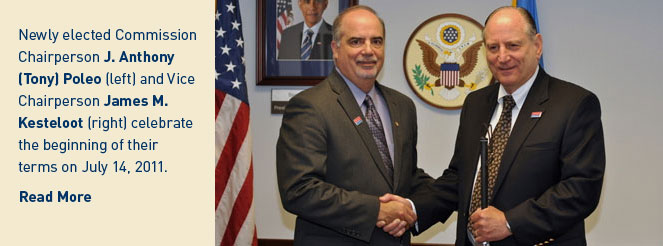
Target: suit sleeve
<point>301,162</point>
<point>582,163</point>
<point>436,201</point>
<point>419,178</point>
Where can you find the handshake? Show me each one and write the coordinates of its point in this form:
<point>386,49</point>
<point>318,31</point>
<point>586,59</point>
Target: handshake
<point>396,215</point>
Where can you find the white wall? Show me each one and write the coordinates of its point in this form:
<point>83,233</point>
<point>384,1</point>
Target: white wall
<point>609,47</point>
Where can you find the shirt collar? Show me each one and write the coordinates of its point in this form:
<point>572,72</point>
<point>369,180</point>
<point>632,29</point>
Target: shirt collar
<point>521,93</point>
<point>358,94</point>
<point>314,28</point>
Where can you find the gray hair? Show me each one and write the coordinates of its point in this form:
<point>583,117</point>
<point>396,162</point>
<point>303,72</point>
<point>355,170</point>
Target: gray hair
<point>336,29</point>
<point>529,20</point>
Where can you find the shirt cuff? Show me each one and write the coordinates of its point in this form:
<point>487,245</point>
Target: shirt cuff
<point>414,209</point>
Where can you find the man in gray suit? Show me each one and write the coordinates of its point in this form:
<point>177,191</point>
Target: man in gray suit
<point>294,39</point>
<point>347,141</point>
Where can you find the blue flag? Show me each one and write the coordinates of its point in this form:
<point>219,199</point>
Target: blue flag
<point>229,50</point>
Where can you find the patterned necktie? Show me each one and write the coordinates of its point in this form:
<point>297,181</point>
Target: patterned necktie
<point>498,141</point>
<point>306,46</point>
<point>375,126</point>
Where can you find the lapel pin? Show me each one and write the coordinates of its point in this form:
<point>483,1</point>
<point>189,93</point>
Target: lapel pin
<point>357,120</point>
<point>536,114</point>
<point>396,122</point>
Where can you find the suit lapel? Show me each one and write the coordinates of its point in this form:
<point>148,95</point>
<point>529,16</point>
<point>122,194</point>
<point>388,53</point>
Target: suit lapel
<point>534,102</point>
<point>352,110</point>
<point>397,141</point>
<point>300,32</point>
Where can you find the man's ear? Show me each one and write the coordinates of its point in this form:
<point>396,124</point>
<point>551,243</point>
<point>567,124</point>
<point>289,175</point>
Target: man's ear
<point>334,48</point>
<point>538,42</point>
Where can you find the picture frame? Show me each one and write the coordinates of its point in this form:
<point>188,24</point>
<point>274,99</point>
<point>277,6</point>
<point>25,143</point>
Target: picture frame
<point>272,69</point>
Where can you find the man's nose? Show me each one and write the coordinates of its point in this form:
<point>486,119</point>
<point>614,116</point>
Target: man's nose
<point>367,49</point>
<point>503,55</point>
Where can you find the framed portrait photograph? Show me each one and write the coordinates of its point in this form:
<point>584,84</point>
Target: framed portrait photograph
<point>294,40</point>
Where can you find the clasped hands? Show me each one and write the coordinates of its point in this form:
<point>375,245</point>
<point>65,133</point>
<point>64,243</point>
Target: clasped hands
<point>396,215</point>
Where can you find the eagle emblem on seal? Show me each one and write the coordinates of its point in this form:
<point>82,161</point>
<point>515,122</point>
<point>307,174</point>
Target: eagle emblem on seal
<point>447,70</point>
<point>445,60</point>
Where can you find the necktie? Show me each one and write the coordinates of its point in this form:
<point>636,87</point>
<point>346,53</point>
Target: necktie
<point>375,126</point>
<point>498,141</point>
<point>306,46</point>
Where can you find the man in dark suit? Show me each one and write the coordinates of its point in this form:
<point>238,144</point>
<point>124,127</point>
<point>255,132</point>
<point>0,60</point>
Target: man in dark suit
<point>294,39</point>
<point>546,151</point>
<point>347,141</point>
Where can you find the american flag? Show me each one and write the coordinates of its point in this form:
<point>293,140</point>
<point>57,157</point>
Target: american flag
<point>283,18</point>
<point>234,210</point>
<point>449,74</point>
